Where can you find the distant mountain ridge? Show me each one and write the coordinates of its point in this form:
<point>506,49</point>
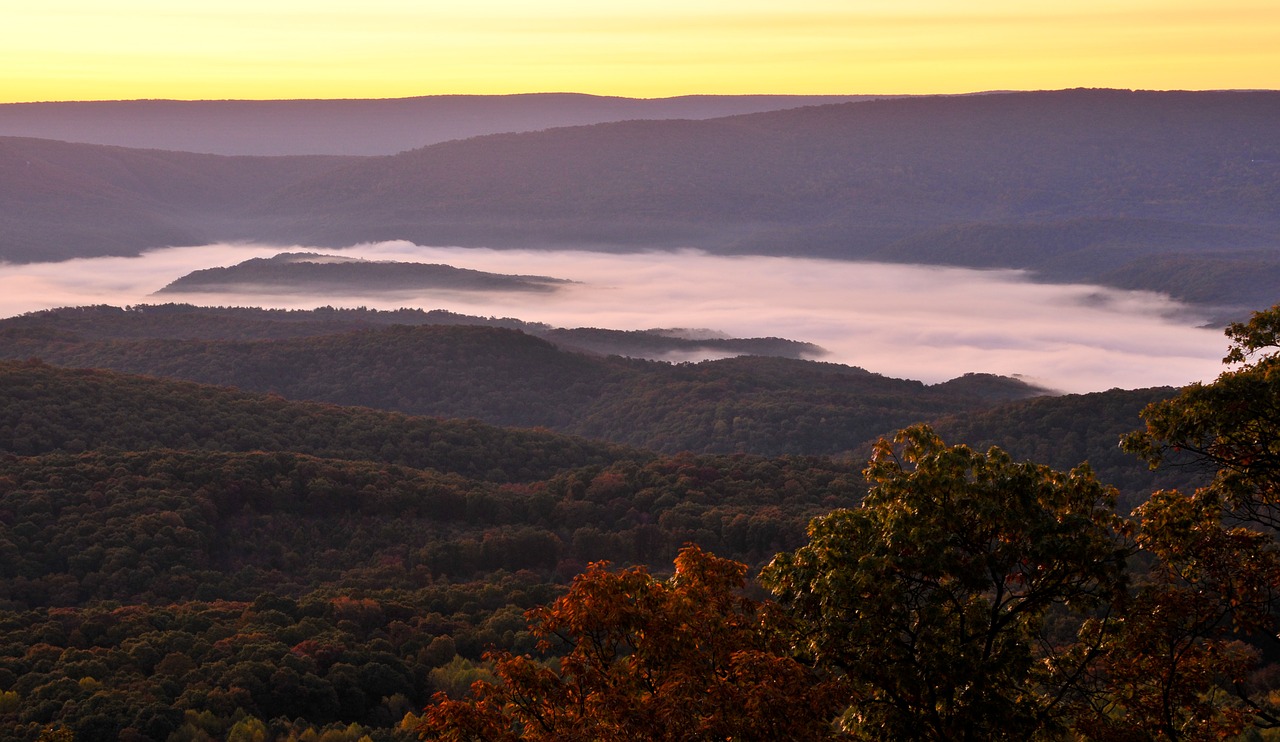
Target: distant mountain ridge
<point>355,127</point>
<point>1077,185</point>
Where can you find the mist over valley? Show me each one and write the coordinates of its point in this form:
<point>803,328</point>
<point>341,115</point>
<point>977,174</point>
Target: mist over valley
<point>914,322</point>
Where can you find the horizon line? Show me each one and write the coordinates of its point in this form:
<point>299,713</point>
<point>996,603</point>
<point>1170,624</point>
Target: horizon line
<point>998,91</point>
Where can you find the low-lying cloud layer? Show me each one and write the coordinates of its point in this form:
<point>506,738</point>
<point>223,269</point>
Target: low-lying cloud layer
<point>916,322</point>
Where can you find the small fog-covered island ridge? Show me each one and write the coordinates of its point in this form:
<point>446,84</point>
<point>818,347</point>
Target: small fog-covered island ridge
<point>314,273</point>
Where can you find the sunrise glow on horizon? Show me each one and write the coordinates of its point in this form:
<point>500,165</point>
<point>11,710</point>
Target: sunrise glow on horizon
<point>236,49</point>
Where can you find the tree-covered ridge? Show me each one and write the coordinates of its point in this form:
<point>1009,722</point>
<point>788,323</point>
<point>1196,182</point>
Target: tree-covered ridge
<point>185,322</point>
<point>763,405</point>
<point>165,590</point>
<point>215,580</point>
<point>193,563</point>
<point>165,525</point>
<point>1067,430</point>
<point>45,409</point>
<point>507,377</point>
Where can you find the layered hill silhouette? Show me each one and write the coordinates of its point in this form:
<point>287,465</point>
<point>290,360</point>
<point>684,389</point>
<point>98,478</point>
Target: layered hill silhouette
<point>1080,185</point>
<point>186,321</point>
<point>228,520</point>
<point>356,127</point>
<point>752,405</point>
<point>503,376</point>
<point>50,409</point>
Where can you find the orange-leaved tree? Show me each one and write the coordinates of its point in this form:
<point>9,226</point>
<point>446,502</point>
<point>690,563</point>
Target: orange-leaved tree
<point>686,658</point>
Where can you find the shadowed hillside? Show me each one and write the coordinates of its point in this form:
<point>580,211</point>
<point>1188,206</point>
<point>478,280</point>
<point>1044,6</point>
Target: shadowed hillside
<point>60,201</point>
<point>507,377</point>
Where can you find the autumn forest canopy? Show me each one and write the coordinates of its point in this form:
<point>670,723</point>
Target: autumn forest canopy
<point>188,562</point>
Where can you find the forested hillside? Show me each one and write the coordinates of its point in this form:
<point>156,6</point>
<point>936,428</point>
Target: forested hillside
<point>184,321</point>
<point>179,559</point>
<point>1066,430</point>
<point>423,362</point>
<point>189,562</point>
<point>52,409</point>
<point>65,200</point>
<point>507,377</point>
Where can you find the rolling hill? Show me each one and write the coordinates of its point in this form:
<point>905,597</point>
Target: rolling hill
<point>179,560</point>
<point>504,376</point>
<point>510,373</point>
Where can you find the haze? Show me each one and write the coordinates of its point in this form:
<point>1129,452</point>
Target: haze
<point>916,322</point>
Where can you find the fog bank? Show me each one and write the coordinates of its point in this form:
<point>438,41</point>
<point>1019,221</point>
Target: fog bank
<point>915,322</point>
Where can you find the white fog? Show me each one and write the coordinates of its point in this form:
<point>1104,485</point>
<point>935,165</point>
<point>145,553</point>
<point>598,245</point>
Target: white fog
<point>913,322</point>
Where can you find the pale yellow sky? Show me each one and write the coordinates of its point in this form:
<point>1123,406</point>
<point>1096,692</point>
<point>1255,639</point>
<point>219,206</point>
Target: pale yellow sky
<point>125,49</point>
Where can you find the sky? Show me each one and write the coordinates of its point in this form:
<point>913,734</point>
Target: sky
<point>914,322</point>
<point>264,49</point>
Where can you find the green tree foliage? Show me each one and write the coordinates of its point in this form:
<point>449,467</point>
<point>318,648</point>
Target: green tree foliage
<point>1231,425</point>
<point>932,597</point>
<point>1186,660</point>
<point>676,659</point>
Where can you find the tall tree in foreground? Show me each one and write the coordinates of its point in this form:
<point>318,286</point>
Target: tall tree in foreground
<point>932,597</point>
<point>1186,663</point>
<point>678,659</point>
